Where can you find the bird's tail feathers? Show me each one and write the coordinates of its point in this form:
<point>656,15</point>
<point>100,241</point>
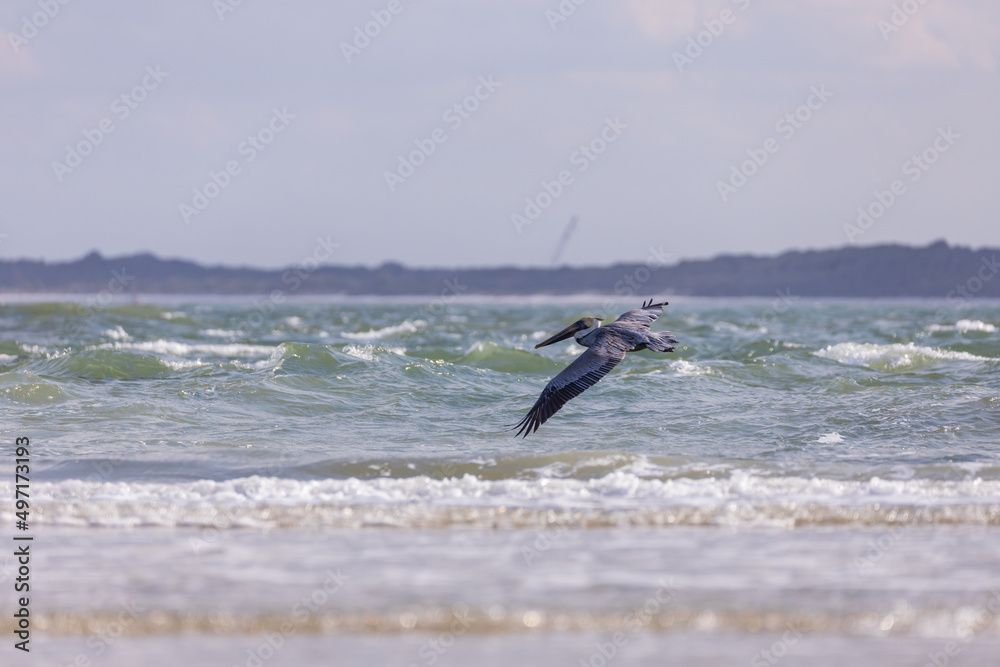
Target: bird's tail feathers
<point>662,343</point>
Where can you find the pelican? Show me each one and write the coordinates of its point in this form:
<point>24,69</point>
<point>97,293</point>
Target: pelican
<point>606,348</point>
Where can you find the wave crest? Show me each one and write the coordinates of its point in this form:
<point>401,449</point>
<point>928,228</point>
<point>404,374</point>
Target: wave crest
<point>894,356</point>
<point>616,499</point>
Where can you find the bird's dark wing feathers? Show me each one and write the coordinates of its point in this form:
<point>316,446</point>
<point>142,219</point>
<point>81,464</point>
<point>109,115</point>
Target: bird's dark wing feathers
<point>644,316</point>
<point>576,378</point>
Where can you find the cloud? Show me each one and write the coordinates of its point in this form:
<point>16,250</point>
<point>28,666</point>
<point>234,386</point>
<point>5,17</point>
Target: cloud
<point>15,67</point>
<point>663,22</point>
<point>936,35</point>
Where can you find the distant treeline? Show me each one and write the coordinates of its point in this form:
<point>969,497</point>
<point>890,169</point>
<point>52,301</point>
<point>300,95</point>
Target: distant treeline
<point>879,271</point>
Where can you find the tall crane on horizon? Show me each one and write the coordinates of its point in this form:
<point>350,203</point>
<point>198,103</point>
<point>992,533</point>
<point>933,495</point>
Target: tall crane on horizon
<point>567,233</point>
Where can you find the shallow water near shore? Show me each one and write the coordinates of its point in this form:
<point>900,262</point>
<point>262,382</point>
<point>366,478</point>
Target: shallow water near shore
<point>339,473</point>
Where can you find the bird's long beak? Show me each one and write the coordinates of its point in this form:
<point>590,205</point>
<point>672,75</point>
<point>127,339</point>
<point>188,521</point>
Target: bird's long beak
<point>562,335</point>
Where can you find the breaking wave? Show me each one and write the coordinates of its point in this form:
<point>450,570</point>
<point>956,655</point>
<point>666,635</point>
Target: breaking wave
<point>963,326</point>
<point>895,356</point>
<point>615,499</point>
<point>376,334</point>
<point>179,349</point>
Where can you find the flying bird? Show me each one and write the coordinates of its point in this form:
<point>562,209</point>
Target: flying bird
<point>606,348</point>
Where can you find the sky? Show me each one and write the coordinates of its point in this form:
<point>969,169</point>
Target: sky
<point>460,133</point>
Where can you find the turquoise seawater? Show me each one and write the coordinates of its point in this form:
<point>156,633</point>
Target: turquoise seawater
<point>812,477</point>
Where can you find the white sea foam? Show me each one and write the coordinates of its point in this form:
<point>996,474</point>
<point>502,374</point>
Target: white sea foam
<point>892,356</point>
<point>683,367</point>
<point>274,361</point>
<point>366,352</point>
<point>963,326</point>
<point>180,365</point>
<point>376,334</point>
<point>369,352</point>
<point>7,358</point>
<point>222,333</point>
<point>830,438</point>
<point>424,501</point>
<point>254,365</point>
<point>117,333</point>
<point>179,349</point>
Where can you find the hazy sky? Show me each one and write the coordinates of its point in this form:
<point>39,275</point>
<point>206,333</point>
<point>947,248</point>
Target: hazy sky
<point>239,133</point>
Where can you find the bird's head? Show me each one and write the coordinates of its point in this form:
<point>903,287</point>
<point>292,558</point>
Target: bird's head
<point>580,328</point>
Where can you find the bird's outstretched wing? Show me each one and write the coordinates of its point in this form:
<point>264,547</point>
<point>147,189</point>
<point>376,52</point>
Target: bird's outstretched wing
<point>644,316</point>
<point>576,378</point>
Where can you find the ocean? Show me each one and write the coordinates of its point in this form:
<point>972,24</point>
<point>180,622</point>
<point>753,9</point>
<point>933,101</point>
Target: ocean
<point>234,481</point>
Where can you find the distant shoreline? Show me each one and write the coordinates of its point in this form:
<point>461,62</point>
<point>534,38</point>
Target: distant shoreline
<point>889,271</point>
